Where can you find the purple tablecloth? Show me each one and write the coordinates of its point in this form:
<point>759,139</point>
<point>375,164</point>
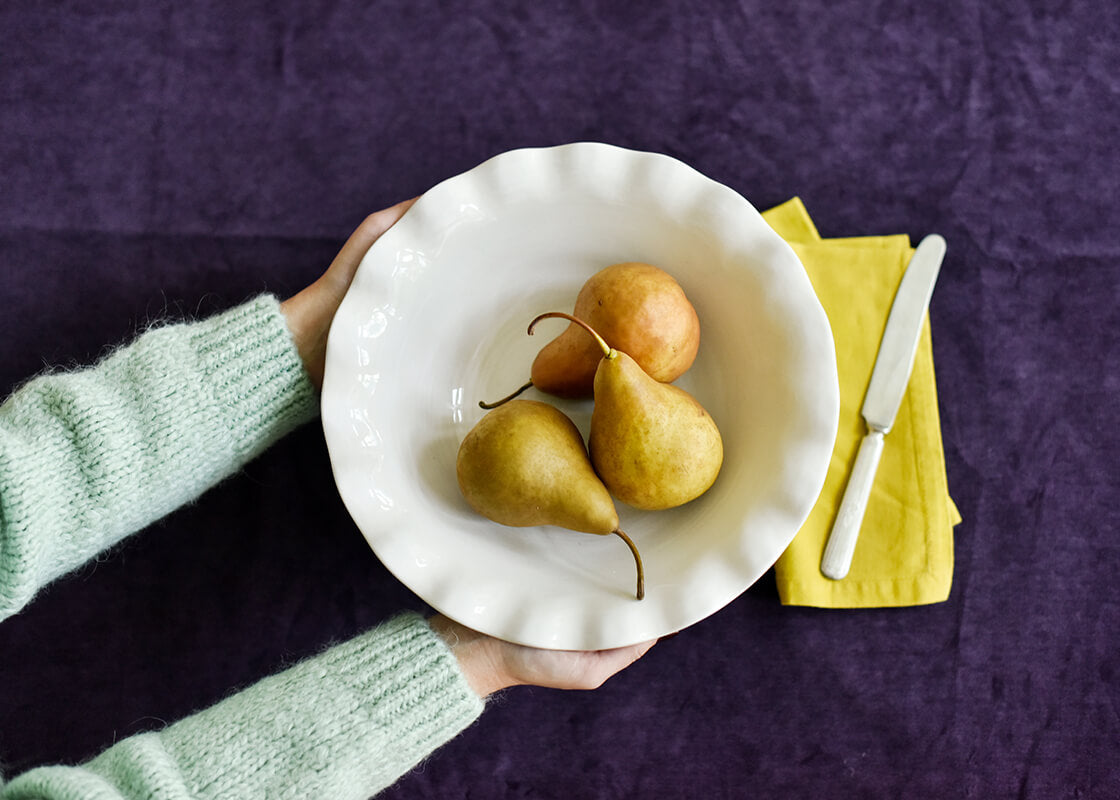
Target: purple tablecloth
<point>171,159</point>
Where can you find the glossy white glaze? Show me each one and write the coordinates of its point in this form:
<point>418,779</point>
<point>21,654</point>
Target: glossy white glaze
<point>435,321</point>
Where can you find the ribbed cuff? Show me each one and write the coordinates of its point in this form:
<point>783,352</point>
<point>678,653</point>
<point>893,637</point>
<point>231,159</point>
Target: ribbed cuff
<point>258,380</point>
<point>21,553</point>
<point>409,674</point>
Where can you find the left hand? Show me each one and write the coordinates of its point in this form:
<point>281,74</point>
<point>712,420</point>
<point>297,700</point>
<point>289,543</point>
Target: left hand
<point>309,313</point>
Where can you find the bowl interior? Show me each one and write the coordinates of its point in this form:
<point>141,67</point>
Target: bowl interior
<point>435,321</point>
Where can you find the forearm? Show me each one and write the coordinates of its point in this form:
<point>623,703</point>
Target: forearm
<point>343,724</point>
<point>87,458</point>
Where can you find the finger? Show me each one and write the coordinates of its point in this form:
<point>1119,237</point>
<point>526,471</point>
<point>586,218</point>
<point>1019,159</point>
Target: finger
<point>370,230</point>
<point>380,221</point>
<point>625,656</point>
<point>644,648</point>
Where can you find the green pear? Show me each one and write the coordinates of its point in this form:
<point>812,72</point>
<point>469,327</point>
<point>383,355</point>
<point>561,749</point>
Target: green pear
<point>638,308</point>
<point>652,444</point>
<point>525,464</point>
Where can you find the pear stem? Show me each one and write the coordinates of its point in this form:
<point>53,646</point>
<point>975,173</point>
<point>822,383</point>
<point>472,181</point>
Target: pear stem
<point>506,399</point>
<point>608,351</point>
<point>637,561</point>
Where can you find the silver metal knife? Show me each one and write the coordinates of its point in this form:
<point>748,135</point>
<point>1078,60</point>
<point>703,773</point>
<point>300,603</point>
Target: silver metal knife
<point>884,395</point>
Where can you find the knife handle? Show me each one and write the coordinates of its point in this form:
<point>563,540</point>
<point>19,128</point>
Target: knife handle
<point>841,545</point>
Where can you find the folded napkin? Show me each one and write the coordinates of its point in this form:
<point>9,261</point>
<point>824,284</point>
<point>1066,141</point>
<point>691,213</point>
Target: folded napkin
<point>904,555</point>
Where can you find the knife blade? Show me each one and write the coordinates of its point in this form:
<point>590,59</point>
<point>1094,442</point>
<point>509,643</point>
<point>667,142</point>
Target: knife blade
<point>889,378</point>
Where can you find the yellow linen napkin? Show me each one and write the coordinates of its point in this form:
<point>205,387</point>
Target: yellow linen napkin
<point>904,555</point>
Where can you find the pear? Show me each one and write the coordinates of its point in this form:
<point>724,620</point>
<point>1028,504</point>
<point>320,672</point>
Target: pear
<point>652,444</point>
<point>641,310</point>
<point>525,464</point>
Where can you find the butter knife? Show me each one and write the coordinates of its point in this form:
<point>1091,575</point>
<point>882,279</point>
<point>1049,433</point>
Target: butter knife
<point>892,370</point>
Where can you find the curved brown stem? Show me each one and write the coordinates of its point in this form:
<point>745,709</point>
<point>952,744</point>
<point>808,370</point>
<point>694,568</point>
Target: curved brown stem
<point>506,399</point>
<point>607,350</point>
<point>637,561</point>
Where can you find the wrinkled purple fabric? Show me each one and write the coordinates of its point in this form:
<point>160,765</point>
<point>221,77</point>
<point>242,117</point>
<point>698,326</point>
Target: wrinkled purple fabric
<point>170,159</point>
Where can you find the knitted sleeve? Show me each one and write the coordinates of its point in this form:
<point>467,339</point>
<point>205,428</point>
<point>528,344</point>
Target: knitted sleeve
<point>341,725</point>
<point>88,457</point>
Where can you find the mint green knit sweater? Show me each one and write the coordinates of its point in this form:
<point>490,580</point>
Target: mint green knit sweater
<point>88,458</point>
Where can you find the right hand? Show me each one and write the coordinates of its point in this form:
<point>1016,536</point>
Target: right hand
<point>491,664</point>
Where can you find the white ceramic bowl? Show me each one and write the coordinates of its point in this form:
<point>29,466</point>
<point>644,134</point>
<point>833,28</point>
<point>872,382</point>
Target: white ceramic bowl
<point>435,321</point>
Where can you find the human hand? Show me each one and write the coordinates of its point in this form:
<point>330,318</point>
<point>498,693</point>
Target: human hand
<point>491,664</point>
<point>309,313</point>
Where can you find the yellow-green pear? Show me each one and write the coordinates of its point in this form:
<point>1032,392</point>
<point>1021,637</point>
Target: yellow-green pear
<point>653,444</point>
<point>525,464</point>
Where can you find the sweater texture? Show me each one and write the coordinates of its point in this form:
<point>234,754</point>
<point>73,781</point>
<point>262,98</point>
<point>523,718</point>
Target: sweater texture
<point>89,457</point>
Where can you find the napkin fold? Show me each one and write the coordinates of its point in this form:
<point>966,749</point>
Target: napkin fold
<point>904,555</point>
